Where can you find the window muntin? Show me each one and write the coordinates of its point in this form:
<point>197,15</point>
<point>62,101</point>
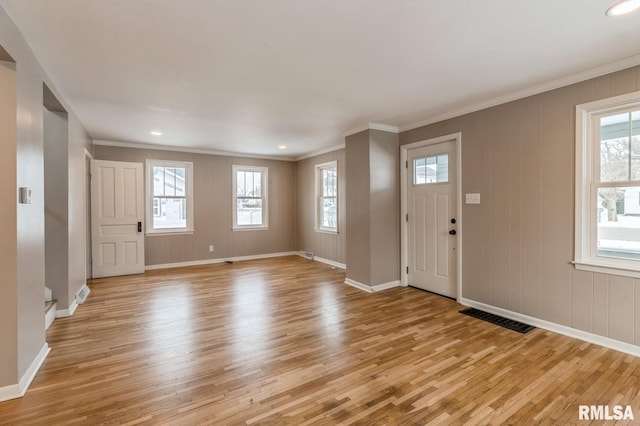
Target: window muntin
<point>432,169</point>
<point>620,147</point>
<point>250,197</point>
<point>169,196</point>
<point>327,197</point>
<point>607,235</point>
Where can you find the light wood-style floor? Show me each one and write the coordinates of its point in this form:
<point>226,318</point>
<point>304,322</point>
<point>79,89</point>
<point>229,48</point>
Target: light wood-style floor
<point>284,341</point>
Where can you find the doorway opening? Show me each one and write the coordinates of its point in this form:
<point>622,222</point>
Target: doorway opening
<point>56,199</point>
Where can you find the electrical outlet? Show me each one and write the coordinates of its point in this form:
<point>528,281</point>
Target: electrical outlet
<point>211,248</point>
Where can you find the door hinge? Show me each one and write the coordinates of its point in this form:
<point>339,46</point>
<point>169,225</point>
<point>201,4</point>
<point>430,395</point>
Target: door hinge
<point>407,217</point>
<point>406,164</point>
<point>407,269</point>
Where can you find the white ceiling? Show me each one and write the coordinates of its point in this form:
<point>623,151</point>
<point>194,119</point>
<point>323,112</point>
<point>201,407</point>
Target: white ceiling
<point>247,76</point>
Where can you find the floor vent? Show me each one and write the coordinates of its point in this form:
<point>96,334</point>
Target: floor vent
<point>308,254</point>
<point>520,327</point>
<point>81,297</point>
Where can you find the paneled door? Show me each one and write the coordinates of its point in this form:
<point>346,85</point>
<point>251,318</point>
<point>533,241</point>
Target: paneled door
<point>117,216</point>
<point>431,217</point>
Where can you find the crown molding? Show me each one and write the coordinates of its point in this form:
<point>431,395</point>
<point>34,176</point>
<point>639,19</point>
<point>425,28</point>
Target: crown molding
<point>136,145</point>
<point>535,90</point>
<point>320,152</point>
<point>354,130</point>
<point>384,127</point>
<point>371,126</point>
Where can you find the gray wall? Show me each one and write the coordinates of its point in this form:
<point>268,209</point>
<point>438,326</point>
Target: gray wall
<point>79,142</point>
<point>8,252</point>
<point>373,206</point>
<point>384,163</point>
<point>56,205</point>
<point>213,208</point>
<point>322,244</point>
<point>518,243</point>
<point>358,218</point>
<point>28,226</point>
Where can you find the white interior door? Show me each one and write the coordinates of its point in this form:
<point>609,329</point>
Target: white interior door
<point>117,216</point>
<point>431,199</point>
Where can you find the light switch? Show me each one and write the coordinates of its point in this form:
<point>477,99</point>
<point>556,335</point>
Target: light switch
<point>472,198</point>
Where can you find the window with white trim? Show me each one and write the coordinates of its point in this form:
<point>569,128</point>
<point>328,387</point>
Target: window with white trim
<point>327,197</point>
<point>169,203</point>
<point>432,169</point>
<point>608,185</point>
<point>250,198</point>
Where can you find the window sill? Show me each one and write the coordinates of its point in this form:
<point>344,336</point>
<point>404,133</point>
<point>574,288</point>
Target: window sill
<point>250,228</point>
<point>606,269</point>
<point>326,231</point>
<point>165,233</point>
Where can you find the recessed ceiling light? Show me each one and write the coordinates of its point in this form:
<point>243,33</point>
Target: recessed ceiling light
<point>282,147</point>
<point>623,7</point>
<point>155,133</point>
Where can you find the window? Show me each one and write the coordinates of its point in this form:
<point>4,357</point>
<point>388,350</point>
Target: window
<point>434,169</point>
<point>250,198</point>
<point>608,185</point>
<point>169,196</point>
<point>327,197</point>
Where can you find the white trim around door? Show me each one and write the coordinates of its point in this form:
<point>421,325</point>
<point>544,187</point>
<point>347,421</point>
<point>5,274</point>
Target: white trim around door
<point>404,246</point>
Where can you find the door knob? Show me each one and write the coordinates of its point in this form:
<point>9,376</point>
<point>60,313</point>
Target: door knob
<point>452,232</point>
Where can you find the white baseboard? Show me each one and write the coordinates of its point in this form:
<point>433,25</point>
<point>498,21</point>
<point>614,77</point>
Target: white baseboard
<point>221,260</point>
<point>385,286</point>
<point>10,392</point>
<point>371,289</point>
<point>331,262</point>
<point>358,285</point>
<point>49,317</point>
<point>19,389</point>
<point>62,313</point>
<point>326,261</point>
<point>556,328</point>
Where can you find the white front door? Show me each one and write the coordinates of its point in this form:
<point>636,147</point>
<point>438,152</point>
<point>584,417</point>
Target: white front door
<point>431,209</point>
<point>117,215</point>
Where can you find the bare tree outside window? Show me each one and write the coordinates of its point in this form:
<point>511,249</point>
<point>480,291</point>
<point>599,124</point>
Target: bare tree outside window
<point>618,190</point>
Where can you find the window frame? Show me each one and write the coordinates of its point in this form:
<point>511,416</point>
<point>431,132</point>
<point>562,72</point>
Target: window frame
<point>587,183</point>
<point>264,184</point>
<point>319,197</point>
<point>149,208</point>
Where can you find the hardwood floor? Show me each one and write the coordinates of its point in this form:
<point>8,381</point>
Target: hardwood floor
<point>284,341</point>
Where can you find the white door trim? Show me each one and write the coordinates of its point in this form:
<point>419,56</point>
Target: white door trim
<point>404,248</point>
<point>87,214</point>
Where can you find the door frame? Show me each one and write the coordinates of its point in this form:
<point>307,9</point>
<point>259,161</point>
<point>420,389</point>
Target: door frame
<point>88,274</point>
<point>404,237</point>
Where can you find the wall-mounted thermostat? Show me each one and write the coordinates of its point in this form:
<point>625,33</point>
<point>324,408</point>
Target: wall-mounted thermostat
<point>25,195</point>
